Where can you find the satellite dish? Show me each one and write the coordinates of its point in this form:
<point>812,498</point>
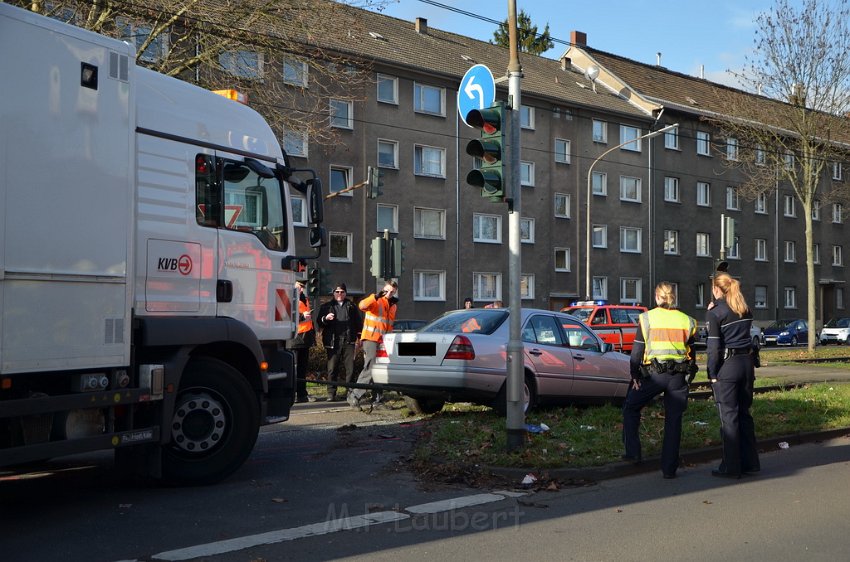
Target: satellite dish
<point>592,73</point>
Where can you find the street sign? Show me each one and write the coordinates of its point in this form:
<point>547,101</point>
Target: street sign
<point>477,90</point>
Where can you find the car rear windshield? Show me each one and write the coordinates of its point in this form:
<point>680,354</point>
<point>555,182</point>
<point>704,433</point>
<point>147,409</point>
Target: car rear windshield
<point>474,321</point>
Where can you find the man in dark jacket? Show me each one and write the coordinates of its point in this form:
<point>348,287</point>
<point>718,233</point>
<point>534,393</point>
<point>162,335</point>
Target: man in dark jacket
<point>341,324</point>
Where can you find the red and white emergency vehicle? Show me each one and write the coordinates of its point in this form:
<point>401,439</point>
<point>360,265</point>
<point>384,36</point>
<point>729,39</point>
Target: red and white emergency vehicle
<point>616,324</point>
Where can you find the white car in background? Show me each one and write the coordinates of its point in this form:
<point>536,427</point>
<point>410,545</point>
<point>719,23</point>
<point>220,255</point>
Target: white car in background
<point>837,331</point>
<point>461,356</point>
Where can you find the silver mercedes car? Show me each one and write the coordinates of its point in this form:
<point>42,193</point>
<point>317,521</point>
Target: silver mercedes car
<point>461,356</point>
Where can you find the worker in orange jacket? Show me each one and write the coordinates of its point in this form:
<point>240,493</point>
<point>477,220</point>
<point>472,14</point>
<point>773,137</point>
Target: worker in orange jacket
<point>380,311</point>
<point>305,338</point>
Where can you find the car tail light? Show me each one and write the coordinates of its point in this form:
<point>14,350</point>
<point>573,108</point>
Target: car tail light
<point>381,351</point>
<point>461,348</point>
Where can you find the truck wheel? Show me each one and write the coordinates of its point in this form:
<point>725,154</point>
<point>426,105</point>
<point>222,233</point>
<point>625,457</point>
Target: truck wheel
<point>420,406</point>
<point>214,426</point>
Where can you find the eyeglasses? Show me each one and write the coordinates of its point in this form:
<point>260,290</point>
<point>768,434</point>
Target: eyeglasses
<point>338,291</point>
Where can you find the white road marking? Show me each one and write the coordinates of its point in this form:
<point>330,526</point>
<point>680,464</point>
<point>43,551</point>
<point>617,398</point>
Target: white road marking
<point>454,503</point>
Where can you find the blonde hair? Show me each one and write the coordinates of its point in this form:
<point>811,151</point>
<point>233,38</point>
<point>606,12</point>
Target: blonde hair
<point>664,295</point>
<point>731,289</point>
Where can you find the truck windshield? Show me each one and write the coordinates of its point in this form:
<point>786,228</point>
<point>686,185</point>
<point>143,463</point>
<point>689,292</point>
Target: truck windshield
<point>232,195</point>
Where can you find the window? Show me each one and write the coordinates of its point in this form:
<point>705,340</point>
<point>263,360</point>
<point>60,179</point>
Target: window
<point>703,143</point>
<point>816,210</point>
<point>429,223</point>
<point>837,172</point>
<point>487,228</point>
<point>734,250</point>
<point>630,189</point>
<point>429,161</point>
<point>759,157</point>
<point>387,218</point>
<point>600,236</point>
<point>387,89</point>
<point>340,246</point>
<point>699,302</point>
<point>733,199</point>
<point>630,134</point>
<point>600,131</point>
<point>294,72</point>
<point>671,189</point>
<point>429,99</point>
<point>526,117</point>
<point>487,286</point>
<point>837,259</point>
<point>526,231</point>
<point>429,285</point>
<point>342,114</point>
<point>839,298</point>
<point>732,149</point>
<point>526,173</point>
<point>299,211</point>
<point>761,249</point>
<point>703,244</point>
<point>760,300</point>
<point>387,154</point>
<point>671,139</point>
<point>761,204</point>
<point>836,213</point>
<point>790,211</point>
<point>790,297</point>
<point>630,289</point>
<point>790,251</point>
<point>137,34</point>
<point>600,287</point>
<point>816,253</point>
<point>789,161</point>
<point>340,179</point>
<point>562,259</point>
<point>526,286</point>
<point>295,143</point>
<point>703,194</point>
<point>671,242</point>
<point>630,239</point>
<point>599,183</point>
<point>242,64</point>
<point>562,151</point>
<point>562,205</point>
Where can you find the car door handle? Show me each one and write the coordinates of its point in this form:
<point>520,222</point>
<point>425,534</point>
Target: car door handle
<point>535,352</point>
<point>578,357</point>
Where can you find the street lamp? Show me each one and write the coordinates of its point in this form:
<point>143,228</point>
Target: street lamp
<point>649,135</point>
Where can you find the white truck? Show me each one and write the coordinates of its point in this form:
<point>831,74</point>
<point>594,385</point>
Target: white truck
<point>146,243</point>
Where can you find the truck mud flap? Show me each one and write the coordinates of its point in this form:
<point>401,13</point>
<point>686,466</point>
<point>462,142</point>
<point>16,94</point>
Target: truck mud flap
<point>281,387</point>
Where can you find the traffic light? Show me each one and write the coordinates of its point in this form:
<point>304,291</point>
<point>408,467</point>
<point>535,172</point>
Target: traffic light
<point>313,281</point>
<point>375,177</point>
<point>396,255</point>
<point>490,149</point>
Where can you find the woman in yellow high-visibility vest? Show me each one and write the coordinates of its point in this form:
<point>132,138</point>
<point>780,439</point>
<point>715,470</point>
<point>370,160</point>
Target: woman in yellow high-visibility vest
<point>662,360</point>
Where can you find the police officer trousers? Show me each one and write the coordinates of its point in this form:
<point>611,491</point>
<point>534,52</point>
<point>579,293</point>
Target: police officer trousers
<point>675,390</point>
<point>733,394</point>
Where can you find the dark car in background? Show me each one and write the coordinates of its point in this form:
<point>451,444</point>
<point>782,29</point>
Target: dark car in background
<point>786,332</point>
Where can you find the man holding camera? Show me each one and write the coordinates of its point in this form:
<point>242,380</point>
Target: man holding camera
<point>380,311</point>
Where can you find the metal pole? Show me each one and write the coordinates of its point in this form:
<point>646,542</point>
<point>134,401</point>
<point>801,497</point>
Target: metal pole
<point>587,286</point>
<point>515,421</point>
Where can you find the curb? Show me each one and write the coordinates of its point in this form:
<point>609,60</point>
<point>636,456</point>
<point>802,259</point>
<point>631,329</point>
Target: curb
<point>698,456</point>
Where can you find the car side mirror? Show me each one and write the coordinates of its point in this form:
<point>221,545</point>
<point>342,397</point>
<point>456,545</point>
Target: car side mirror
<point>606,347</point>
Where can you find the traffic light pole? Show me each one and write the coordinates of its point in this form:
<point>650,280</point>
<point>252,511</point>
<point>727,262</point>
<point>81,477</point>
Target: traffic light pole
<point>515,420</point>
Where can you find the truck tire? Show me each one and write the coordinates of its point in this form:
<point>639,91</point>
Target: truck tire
<point>214,425</point>
<point>422,406</point>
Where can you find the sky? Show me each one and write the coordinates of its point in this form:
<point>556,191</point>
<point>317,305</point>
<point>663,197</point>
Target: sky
<point>717,34</point>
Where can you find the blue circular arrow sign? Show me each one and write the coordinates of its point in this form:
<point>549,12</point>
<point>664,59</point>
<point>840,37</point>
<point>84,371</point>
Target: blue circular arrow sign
<point>477,91</point>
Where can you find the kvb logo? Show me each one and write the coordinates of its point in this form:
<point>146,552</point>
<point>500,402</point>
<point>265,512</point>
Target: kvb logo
<point>183,264</point>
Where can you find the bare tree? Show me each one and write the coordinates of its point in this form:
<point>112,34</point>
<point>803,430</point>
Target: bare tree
<point>268,49</point>
<point>802,55</point>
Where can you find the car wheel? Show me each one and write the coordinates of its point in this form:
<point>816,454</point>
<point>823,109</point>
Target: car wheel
<point>793,341</point>
<point>422,406</point>
<point>756,341</point>
<point>529,391</point>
